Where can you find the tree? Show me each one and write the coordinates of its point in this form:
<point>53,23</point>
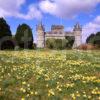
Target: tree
<point>34,46</point>
<point>50,43</point>
<point>6,41</point>
<point>60,44</point>
<point>97,39</point>
<point>90,39</point>
<point>70,41</point>
<point>8,44</point>
<point>56,43</point>
<point>94,39</point>
<point>24,36</point>
<point>4,28</point>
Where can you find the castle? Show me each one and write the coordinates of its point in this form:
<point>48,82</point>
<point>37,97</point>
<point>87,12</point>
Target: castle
<point>57,32</point>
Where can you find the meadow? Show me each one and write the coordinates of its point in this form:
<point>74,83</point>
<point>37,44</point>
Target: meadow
<point>50,75</point>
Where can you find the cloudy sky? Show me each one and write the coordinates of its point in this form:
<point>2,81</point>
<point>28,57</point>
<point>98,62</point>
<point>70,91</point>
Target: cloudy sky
<point>66,12</point>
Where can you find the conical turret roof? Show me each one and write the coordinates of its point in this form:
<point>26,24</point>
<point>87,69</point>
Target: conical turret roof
<point>40,26</point>
<point>77,27</point>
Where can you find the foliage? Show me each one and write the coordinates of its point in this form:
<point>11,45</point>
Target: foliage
<point>59,43</point>
<point>4,28</point>
<point>8,44</point>
<point>86,47</point>
<point>70,41</point>
<point>24,36</point>
<point>50,43</point>
<point>6,41</point>
<point>94,39</point>
<point>90,39</point>
<point>97,39</point>
<point>53,75</point>
<point>34,46</point>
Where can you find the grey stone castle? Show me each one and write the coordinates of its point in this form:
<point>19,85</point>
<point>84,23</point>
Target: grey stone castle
<point>57,32</point>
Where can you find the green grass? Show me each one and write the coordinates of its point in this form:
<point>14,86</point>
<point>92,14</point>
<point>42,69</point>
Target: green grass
<point>49,75</point>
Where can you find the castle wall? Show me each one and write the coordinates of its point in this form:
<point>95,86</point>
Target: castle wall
<point>55,36</point>
<point>57,32</point>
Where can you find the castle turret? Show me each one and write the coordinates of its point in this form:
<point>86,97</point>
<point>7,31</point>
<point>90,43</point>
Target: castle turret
<point>41,36</point>
<point>78,35</point>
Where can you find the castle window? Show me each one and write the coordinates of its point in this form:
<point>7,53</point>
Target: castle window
<point>60,32</point>
<point>55,32</point>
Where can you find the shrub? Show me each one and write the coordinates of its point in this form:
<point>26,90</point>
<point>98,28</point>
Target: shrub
<point>34,46</point>
<point>70,41</point>
<point>50,43</point>
<point>86,47</point>
<point>56,43</point>
<point>8,44</point>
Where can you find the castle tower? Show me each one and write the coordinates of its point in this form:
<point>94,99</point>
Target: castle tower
<point>41,36</point>
<point>78,35</point>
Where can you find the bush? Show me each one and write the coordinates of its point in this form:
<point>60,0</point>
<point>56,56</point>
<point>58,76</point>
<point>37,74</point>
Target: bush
<point>8,44</point>
<point>86,47</point>
<point>60,44</point>
<point>56,43</point>
<point>34,46</point>
<point>70,41</point>
<point>50,43</point>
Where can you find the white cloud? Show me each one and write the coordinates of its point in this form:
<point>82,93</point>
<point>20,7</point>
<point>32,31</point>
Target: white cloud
<point>67,8</point>
<point>59,8</point>
<point>91,27</point>
<point>33,12</point>
<point>11,8</point>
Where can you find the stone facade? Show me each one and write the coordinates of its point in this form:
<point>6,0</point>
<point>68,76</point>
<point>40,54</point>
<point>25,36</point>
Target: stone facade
<point>57,32</point>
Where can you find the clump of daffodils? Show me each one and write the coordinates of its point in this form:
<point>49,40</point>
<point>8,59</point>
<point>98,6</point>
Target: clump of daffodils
<point>51,92</point>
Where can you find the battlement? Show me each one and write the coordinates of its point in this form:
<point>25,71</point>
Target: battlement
<point>57,27</point>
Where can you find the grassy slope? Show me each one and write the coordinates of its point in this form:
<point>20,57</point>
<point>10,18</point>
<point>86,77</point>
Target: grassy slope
<point>49,75</point>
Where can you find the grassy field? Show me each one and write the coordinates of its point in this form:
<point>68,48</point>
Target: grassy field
<point>49,75</point>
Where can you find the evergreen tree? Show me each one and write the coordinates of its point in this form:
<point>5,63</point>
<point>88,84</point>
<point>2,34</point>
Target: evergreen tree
<point>4,28</point>
<point>90,39</point>
<point>97,39</point>
<point>6,41</point>
<point>24,36</point>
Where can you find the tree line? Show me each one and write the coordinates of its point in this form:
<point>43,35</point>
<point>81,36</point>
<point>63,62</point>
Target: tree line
<point>22,39</point>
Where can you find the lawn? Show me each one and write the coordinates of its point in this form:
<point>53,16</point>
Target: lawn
<point>49,75</point>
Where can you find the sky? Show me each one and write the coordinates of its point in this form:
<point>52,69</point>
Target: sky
<point>50,12</point>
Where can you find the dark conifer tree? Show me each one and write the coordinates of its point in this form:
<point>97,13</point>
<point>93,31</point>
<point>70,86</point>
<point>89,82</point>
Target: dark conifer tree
<point>6,41</point>
<point>24,36</point>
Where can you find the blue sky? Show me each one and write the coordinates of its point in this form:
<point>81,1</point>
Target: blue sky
<point>66,12</point>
